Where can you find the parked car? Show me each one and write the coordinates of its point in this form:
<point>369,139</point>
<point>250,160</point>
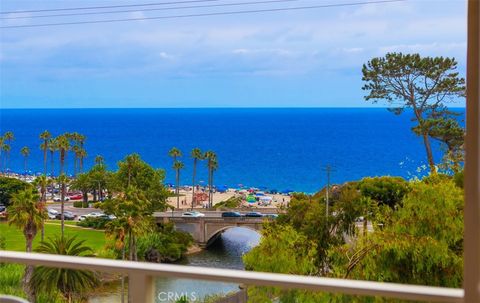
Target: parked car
<point>2,208</point>
<point>76,197</point>
<point>58,198</point>
<point>91,215</point>
<point>52,213</point>
<point>193,214</point>
<point>254,214</point>
<point>273,216</point>
<point>67,215</point>
<point>231,214</point>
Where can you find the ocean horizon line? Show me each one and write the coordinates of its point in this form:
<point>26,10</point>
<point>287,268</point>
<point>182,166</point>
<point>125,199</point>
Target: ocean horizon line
<point>176,108</point>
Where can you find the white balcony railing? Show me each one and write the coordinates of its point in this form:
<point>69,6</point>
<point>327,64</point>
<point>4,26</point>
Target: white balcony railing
<point>142,287</point>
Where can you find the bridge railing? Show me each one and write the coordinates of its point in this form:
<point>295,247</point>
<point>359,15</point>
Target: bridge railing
<point>142,287</point>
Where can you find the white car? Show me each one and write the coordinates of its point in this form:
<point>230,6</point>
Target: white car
<point>91,215</point>
<point>52,213</point>
<point>193,214</point>
<point>58,198</point>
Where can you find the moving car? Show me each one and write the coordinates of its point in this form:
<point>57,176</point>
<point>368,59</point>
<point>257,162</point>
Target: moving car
<point>231,214</point>
<point>91,215</point>
<point>67,215</point>
<point>273,216</point>
<point>254,214</point>
<point>193,214</point>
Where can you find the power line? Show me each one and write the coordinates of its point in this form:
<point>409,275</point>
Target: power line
<point>151,9</point>
<point>107,6</point>
<point>204,14</point>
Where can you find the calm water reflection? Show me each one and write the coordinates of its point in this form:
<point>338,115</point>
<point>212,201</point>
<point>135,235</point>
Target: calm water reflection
<point>226,252</point>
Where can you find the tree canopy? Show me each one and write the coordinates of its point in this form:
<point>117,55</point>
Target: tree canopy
<point>422,84</point>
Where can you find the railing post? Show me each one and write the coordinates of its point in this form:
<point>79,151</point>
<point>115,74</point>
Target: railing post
<point>141,288</point>
<point>471,278</point>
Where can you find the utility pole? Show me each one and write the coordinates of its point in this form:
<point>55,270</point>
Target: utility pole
<point>328,169</point>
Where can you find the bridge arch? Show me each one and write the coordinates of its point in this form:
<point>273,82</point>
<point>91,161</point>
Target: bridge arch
<point>212,235</point>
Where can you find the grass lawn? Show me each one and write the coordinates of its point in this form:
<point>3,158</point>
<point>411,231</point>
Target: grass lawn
<point>16,241</point>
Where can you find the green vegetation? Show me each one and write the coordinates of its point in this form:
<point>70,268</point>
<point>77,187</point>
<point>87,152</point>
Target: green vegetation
<point>92,222</point>
<point>165,245</point>
<point>74,284</point>
<point>417,241</point>
<point>80,204</point>
<point>9,186</point>
<point>233,202</point>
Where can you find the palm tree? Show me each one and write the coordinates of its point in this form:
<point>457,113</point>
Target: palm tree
<point>63,145</point>
<point>2,143</point>
<point>8,137</point>
<point>177,166</point>
<point>63,180</point>
<point>25,151</point>
<point>45,136</point>
<point>52,147</point>
<point>175,153</point>
<point>6,149</point>
<point>72,283</point>
<point>212,165</point>
<point>117,230</point>
<point>82,154</point>
<point>43,182</point>
<point>99,159</point>
<point>196,156</point>
<point>27,213</point>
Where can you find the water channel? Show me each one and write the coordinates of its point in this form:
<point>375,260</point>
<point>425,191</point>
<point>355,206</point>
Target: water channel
<point>225,252</point>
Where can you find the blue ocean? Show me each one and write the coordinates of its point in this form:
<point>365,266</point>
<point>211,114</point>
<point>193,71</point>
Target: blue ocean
<point>269,147</point>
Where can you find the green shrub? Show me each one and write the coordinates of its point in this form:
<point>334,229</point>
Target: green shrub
<point>233,202</point>
<point>80,204</point>
<point>165,245</point>
<point>385,190</point>
<point>97,223</point>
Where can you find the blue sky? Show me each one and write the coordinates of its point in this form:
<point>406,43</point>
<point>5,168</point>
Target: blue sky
<point>309,58</point>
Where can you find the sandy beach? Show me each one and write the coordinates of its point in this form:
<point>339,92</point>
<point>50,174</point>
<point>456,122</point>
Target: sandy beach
<point>277,200</point>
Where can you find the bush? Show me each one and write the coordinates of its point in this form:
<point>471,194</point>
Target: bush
<point>233,202</point>
<point>97,223</point>
<point>9,186</point>
<point>165,245</point>
<point>80,204</point>
<point>385,190</point>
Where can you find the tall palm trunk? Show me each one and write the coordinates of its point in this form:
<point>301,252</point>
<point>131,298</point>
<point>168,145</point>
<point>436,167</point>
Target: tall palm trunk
<point>209,187</point>
<point>44,201</point>
<point>52,163</point>
<point>193,181</point>
<point>45,160</point>
<point>62,189</point>
<point>29,233</point>
<point>177,190</point>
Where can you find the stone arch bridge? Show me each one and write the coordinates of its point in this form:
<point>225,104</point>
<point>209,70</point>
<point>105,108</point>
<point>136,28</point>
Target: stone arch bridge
<point>205,230</point>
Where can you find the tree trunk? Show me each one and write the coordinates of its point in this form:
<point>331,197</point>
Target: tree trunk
<point>62,216</point>
<point>177,191</point>
<point>193,181</point>
<point>52,164</point>
<point>45,160</point>
<point>428,149</point>
<point>27,284</point>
